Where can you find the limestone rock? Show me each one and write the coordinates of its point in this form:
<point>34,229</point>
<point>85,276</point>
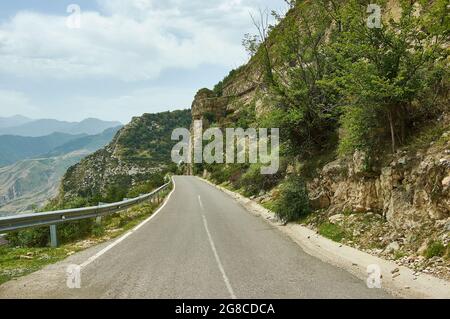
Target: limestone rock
<point>335,219</point>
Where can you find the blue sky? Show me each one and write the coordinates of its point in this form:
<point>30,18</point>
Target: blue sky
<point>127,58</point>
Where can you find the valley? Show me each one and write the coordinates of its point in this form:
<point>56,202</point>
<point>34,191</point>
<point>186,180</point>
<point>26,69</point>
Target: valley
<point>31,168</point>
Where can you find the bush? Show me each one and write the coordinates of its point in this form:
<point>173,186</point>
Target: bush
<point>227,173</point>
<point>38,237</point>
<point>253,182</point>
<point>293,203</point>
<point>435,249</point>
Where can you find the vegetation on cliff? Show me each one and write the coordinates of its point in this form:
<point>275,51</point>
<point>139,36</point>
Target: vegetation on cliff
<point>335,86</point>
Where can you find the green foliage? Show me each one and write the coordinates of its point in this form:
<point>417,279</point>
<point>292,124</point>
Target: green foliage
<point>293,203</point>
<point>16,262</point>
<point>382,72</point>
<point>156,180</point>
<point>38,237</point>
<point>253,182</point>
<point>375,85</point>
<point>435,249</point>
<point>148,138</point>
<point>359,128</point>
<point>332,231</point>
<point>307,112</point>
<point>227,173</point>
<point>98,230</point>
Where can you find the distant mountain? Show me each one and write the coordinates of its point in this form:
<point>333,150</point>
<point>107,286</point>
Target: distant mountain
<point>16,148</point>
<point>16,120</point>
<point>90,143</point>
<point>27,184</point>
<point>43,127</point>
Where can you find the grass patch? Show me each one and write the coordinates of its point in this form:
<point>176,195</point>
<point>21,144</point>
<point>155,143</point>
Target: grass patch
<point>333,232</point>
<point>16,262</point>
<point>270,205</point>
<point>399,255</point>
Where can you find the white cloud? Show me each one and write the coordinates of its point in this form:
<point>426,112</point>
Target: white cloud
<point>127,40</point>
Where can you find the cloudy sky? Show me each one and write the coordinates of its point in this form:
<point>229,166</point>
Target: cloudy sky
<point>128,57</point>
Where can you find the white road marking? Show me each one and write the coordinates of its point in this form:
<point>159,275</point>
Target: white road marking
<point>122,238</point>
<point>200,202</point>
<point>216,255</point>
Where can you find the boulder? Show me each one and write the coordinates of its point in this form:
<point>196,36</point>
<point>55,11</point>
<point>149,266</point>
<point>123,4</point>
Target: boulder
<point>392,247</point>
<point>335,219</point>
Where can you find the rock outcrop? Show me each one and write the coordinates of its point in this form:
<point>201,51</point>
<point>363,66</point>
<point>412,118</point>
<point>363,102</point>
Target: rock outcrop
<point>414,189</point>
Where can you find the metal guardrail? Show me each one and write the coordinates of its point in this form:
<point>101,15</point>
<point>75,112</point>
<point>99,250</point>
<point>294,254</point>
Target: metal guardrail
<point>52,219</point>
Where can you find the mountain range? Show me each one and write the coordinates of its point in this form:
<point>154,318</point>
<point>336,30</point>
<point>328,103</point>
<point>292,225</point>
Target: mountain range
<point>16,120</point>
<point>22,126</point>
<point>35,165</point>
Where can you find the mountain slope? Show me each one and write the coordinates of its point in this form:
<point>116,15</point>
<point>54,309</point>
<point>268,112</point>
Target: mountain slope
<point>89,143</point>
<point>28,184</point>
<point>140,150</point>
<point>44,127</point>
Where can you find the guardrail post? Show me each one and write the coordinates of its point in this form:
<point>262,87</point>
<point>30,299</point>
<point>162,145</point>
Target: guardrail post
<point>53,236</point>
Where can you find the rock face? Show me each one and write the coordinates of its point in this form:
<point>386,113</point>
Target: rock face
<point>412,190</point>
<point>207,106</point>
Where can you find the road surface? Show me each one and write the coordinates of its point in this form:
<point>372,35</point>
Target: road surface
<point>201,244</point>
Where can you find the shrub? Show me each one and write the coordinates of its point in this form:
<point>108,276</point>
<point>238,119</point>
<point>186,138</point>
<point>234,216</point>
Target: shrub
<point>38,237</point>
<point>98,230</point>
<point>435,249</point>
<point>253,182</point>
<point>293,202</point>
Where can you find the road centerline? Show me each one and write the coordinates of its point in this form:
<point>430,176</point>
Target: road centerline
<point>216,254</point>
<point>200,202</point>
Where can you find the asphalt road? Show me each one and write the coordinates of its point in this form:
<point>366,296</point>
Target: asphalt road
<point>202,244</point>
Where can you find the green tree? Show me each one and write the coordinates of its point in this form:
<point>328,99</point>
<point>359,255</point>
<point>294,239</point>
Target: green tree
<point>383,71</point>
